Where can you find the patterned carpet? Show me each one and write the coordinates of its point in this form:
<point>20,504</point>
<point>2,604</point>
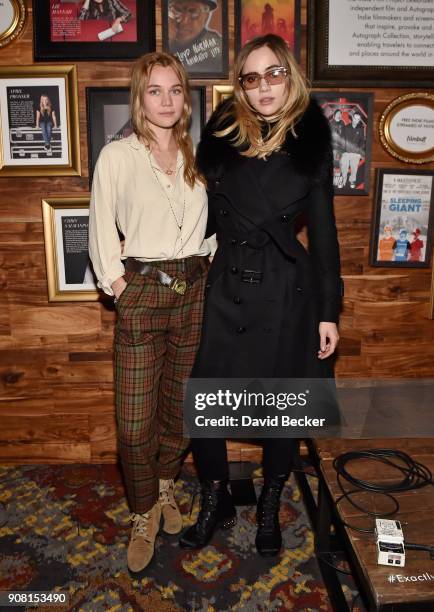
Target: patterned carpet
<point>65,529</point>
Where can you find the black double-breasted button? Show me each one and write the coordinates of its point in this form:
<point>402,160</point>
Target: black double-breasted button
<point>241,329</point>
<point>224,212</point>
<point>233,242</point>
<point>299,288</point>
<point>284,218</point>
<point>267,330</point>
<point>234,270</point>
<point>237,299</point>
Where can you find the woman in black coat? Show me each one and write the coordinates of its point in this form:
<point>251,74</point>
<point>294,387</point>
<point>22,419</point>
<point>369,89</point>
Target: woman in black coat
<point>271,307</point>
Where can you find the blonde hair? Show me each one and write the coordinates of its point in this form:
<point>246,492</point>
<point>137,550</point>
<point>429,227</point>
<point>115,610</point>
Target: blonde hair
<point>140,75</point>
<point>45,102</point>
<point>246,121</point>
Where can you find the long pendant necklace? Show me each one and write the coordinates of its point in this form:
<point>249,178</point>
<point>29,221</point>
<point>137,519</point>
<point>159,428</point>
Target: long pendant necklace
<point>179,224</point>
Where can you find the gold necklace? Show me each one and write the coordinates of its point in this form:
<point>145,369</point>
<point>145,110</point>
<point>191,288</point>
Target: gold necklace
<point>179,224</point>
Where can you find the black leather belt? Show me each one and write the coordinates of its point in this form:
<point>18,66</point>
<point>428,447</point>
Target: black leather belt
<point>178,285</point>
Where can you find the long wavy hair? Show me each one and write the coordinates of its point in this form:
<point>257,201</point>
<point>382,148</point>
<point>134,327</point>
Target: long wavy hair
<point>141,72</point>
<point>246,121</point>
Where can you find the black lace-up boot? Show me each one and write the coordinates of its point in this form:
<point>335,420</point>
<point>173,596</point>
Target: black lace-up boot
<point>217,510</point>
<point>268,537</point>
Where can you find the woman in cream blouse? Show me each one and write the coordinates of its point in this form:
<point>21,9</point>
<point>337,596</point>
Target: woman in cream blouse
<point>147,188</point>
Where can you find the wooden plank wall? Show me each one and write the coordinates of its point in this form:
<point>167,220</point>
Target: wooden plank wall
<point>56,358</point>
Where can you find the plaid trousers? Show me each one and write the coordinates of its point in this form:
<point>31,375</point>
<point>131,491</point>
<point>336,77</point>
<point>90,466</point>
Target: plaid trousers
<point>157,335</point>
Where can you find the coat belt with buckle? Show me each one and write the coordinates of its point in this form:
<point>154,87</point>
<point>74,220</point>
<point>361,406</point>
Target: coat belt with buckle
<point>175,284</point>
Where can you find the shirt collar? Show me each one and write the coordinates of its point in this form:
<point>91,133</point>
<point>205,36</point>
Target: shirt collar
<point>135,143</point>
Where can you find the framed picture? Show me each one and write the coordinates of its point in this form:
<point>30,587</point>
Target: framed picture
<point>12,19</point>
<point>281,17</point>
<point>108,118</point>
<point>92,29</point>
<point>198,34</point>
<point>382,44</point>
<point>69,270</point>
<point>407,128</point>
<point>39,121</point>
<point>402,226</point>
<point>220,93</point>
<point>350,115</point>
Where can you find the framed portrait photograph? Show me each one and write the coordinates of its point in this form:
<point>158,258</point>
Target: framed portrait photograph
<point>402,224</point>
<point>108,118</point>
<point>12,19</point>
<point>407,128</point>
<point>93,29</point>
<point>281,17</point>
<point>69,270</point>
<point>350,116</point>
<point>197,33</point>
<point>370,44</point>
<point>39,121</point>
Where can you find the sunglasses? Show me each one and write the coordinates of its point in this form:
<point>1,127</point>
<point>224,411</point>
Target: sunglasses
<point>177,12</point>
<point>274,76</point>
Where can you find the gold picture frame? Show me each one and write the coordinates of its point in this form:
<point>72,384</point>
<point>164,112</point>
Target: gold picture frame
<point>220,93</point>
<point>15,26</point>
<point>39,124</point>
<point>69,273</point>
<point>409,119</point>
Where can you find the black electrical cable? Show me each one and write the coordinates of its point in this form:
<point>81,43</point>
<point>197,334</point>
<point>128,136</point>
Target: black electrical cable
<point>415,475</point>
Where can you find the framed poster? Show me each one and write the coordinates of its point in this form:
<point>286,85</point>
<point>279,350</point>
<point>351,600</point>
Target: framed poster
<point>370,43</point>
<point>407,128</point>
<point>197,33</point>
<point>402,225</point>
<point>281,17</point>
<point>350,115</point>
<point>39,121</point>
<point>69,270</point>
<point>108,118</point>
<point>93,29</point>
<point>12,19</point>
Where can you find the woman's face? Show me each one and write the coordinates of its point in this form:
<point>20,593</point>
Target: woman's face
<point>266,99</point>
<point>164,97</point>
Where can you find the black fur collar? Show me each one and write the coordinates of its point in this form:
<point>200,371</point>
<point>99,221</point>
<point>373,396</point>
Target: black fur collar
<point>310,152</point>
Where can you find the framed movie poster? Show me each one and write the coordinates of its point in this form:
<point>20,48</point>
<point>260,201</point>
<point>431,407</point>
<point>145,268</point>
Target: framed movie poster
<point>350,115</point>
<point>197,32</point>
<point>69,270</point>
<point>12,19</point>
<point>402,226</point>
<point>93,29</point>
<point>256,18</point>
<point>371,43</point>
<point>108,118</point>
<point>39,121</point>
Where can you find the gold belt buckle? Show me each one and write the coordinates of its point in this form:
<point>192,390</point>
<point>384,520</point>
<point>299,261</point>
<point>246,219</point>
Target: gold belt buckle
<point>179,286</point>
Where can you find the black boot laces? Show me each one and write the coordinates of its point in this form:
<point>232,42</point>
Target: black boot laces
<point>269,507</point>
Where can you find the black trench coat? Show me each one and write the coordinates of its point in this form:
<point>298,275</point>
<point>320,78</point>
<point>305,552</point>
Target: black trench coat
<point>266,294</point>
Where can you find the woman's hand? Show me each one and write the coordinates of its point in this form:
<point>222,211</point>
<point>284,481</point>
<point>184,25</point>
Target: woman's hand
<point>329,338</point>
<point>119,286</point>
<point>117,24</point>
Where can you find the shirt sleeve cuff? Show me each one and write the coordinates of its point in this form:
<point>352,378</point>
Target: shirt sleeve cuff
<point>105,283</point>
<point>212,244</point>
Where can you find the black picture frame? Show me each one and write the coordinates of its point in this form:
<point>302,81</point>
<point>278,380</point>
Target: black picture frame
<point>105,125</point>
<point>98,123</point>
<point>296,32</point>
<point>198,68</point>
<point>345,139</point>
<point>410,210</point>
<point>198,113</point>
<point>323,74</point>
<point>46,50</point>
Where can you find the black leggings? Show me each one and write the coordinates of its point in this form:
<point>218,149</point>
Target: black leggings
<point>211,459</point>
